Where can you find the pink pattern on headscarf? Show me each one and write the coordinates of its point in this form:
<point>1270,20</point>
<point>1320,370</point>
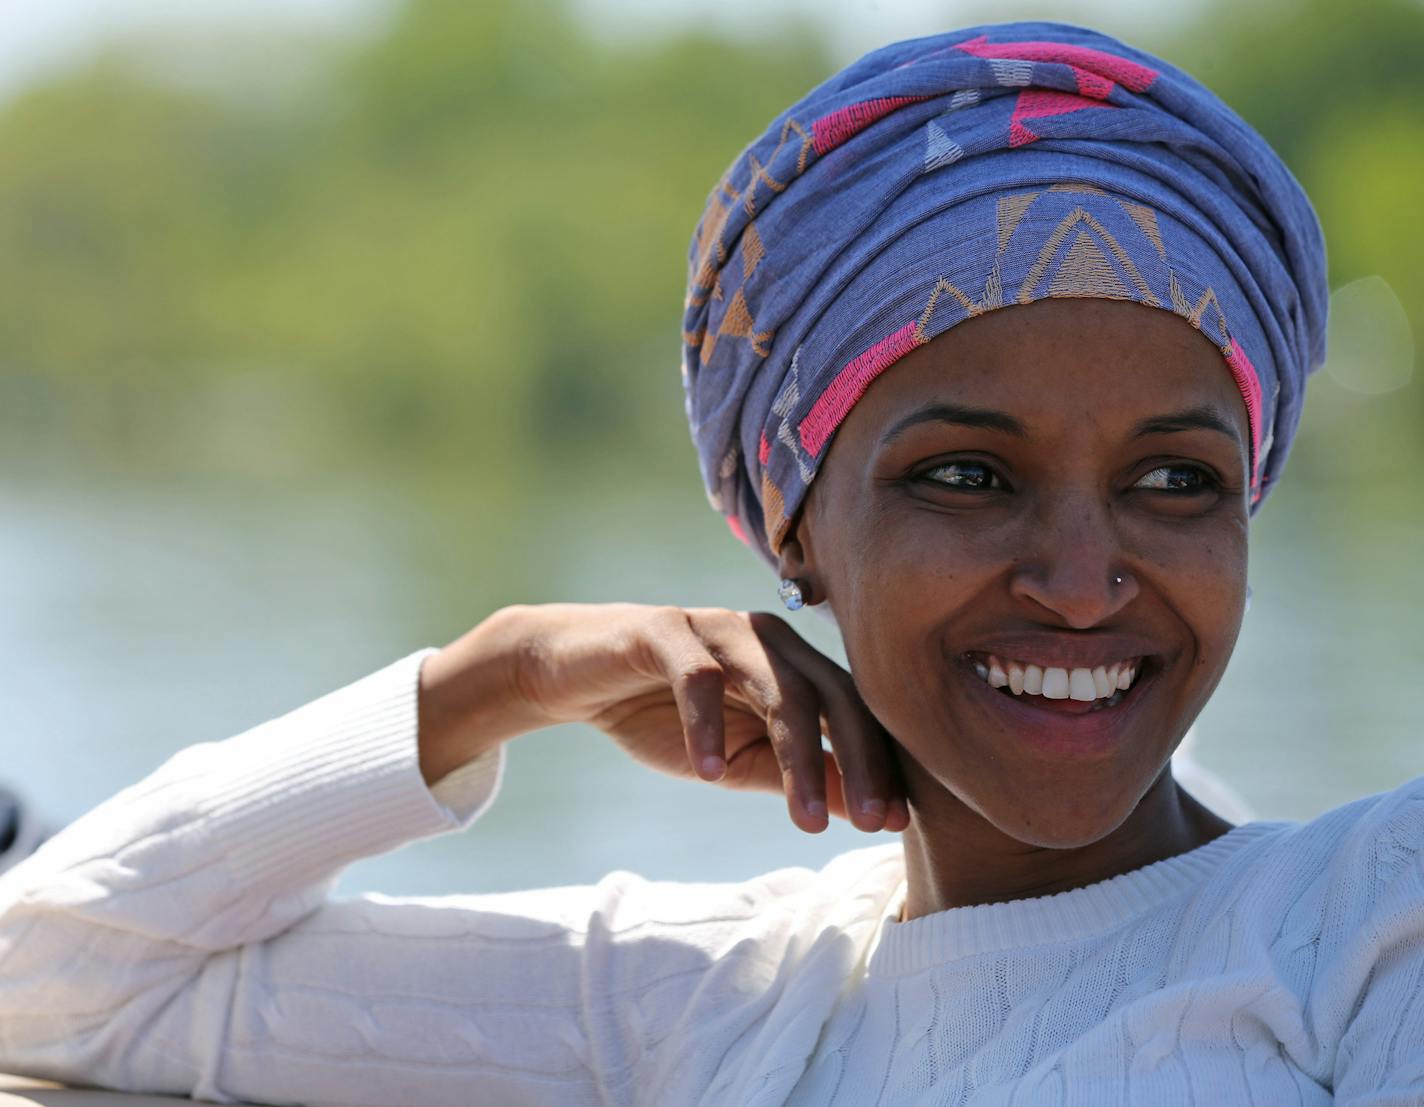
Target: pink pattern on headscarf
<point>1037,103</point>
<point>850,385</point>
<point>831,130</point>
<point>1249,383</point>
<point>1094,70</point>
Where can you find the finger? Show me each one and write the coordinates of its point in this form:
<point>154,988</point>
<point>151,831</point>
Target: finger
<point>870,779</point>
<point>835,787</point>
<point>794,729</point>
<point>755,768</point>
<point>898,818</point>
<point>698,686</point>
<point>785,699</point>
<point>862,754</point>
<point>792,712</point>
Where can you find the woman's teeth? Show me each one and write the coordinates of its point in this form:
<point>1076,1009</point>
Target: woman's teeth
<point>1085,685</point>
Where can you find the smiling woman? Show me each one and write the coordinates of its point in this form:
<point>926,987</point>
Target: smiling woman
<point>1039,497</point>
<point>992,345</point>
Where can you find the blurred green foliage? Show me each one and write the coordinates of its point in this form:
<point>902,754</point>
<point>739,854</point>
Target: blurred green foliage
<point>1336,87</point>
<point>459,245</point>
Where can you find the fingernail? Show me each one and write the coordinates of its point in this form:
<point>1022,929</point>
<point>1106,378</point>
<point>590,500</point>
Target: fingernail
<point>713,767</point>
<point>817,810</point>
<point>875,808</point>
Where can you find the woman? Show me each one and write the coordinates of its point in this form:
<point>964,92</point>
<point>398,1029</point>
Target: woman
<point>992,344</point>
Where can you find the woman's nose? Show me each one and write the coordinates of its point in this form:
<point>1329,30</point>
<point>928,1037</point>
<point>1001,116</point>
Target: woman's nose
<point>1073,568</point>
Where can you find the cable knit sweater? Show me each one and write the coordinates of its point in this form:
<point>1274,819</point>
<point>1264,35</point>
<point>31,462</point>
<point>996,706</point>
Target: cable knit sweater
<point>180,938</point>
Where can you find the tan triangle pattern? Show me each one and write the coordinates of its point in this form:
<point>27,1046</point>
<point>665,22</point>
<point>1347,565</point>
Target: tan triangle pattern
<point>1055,241</point>
<point>993,298</point>
<point>761,176</point>
<point>773,509</point>
<point>709,240</point>
<point>941,287</point>
<point>1146,220</point>
<point>752,250</point>
<point>1206,300</point>
<point>1076,186</point>
<point>738,318</point>
<point>993,291</point>
<point>1011,209</point>
<point>1179,299</point>
<point>1086,271</point>
<point>711,250</point>
<point>737,322</point>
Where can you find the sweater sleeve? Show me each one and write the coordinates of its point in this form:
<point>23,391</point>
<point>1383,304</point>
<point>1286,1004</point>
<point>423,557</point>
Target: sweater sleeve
<point>178,938</point>
<point>1377,983</point>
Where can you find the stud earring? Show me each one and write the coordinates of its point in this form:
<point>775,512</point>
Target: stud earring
<point>791,595</point>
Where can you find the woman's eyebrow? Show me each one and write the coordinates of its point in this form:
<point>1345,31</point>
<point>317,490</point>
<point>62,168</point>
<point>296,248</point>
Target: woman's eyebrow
<point>960,416</point>
<point>1196,418</point>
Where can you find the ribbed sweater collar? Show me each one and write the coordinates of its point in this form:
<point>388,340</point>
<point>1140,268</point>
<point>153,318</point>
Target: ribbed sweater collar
<point>959,932</point>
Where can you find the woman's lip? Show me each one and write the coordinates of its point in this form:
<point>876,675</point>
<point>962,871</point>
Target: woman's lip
<point>1069,656</point>
<point>1060,730</point>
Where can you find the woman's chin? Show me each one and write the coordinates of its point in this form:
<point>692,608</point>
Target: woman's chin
<point>1056,813</point>
<point>1064,832</point>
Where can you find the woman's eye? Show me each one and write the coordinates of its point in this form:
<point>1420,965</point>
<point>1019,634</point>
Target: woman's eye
<point>971,476</point>
<point>1178,478</point>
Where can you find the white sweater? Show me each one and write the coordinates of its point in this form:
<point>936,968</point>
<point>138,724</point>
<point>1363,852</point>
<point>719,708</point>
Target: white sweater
<point>179,938</point>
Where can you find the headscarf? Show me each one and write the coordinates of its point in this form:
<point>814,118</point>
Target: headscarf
<point>941,178</point>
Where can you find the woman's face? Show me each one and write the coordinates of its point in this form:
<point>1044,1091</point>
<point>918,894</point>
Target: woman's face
<point>974,511</point>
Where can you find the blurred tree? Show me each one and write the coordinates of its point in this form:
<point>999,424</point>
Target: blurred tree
<point>1335,86</point>
<point>471,232</point>
<point>460,245</point>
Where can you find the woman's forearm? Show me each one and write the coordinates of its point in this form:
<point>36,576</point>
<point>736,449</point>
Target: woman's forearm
<point>227,844</point>
<point>470,700</point>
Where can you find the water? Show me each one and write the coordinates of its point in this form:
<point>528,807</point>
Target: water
<point>138,619</point>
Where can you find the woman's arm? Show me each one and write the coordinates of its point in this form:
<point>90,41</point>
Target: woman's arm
<point>121,940</point>
<point>178,938</point>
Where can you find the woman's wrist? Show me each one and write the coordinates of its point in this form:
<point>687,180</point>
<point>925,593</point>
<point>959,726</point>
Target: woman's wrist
<point>469,696</point>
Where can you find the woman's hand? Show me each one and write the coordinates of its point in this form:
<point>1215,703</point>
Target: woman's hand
<point>732,697</point>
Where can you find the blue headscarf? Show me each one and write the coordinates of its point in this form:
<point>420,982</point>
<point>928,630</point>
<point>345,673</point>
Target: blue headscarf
<point>941,178</point>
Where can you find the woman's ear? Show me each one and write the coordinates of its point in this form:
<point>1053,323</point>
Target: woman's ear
<point>796,562</point>
<point>793,565</point>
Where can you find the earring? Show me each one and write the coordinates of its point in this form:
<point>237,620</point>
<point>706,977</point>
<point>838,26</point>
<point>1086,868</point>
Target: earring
<point>791,595</point>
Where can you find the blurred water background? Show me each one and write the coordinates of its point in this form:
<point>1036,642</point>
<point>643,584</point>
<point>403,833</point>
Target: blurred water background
<point>328,327</point>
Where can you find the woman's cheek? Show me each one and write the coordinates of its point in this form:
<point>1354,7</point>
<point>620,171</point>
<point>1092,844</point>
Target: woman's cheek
<point>1212,556</point>
<point>913,572</point>
<point>906,596</point>
<point>1202,576</point>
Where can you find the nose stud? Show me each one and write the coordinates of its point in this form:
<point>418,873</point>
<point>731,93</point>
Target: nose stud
<point>1117,580</point>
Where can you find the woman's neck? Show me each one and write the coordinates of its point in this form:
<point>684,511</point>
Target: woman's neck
<point>954,857</point>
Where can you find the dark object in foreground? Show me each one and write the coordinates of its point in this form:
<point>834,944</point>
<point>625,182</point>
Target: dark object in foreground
<point>22,830</point>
